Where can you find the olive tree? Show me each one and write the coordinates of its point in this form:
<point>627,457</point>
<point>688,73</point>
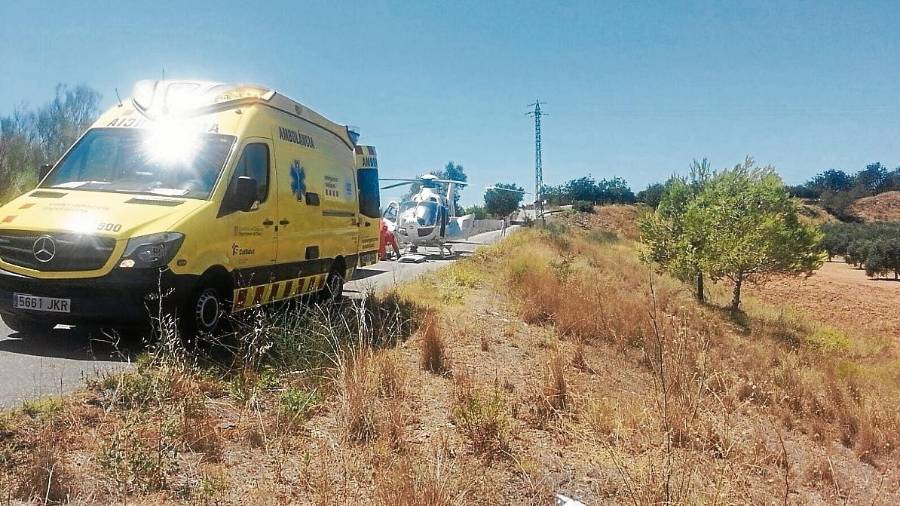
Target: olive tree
<point>668,241</point>
<point>883,257</point>
<point>751,228</point>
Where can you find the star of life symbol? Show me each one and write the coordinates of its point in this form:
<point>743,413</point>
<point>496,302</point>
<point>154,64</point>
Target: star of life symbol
<point>298,180</point>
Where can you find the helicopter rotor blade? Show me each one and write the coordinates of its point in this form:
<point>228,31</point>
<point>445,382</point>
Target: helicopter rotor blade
<point>388,187</point>
<point>461,183</point>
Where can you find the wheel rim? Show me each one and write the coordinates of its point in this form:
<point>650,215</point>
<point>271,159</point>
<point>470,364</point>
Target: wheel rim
<point>207,310</point>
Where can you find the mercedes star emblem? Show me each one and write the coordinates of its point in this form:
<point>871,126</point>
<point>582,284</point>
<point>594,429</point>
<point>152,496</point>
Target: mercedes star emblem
<point>44,249</point>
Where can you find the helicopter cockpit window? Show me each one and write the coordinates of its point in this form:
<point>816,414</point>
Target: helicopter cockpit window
<point>424,214</point>
<point>391,212</point>
<point>427,213</point>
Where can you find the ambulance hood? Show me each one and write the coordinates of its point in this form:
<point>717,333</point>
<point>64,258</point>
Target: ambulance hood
<point>118,215</point>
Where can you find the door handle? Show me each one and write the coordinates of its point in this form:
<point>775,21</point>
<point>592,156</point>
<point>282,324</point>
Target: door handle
<point>268,222</point>
<point>284,222</point>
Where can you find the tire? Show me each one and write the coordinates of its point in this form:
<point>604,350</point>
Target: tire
<point>28,324</point>
<point>203,313</point>
<point>334,287</point>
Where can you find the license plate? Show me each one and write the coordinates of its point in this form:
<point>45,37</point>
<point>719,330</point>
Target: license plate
<point>35,303</point>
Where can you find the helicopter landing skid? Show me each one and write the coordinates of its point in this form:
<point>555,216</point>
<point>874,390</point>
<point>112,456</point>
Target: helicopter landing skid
<point>411,258</point>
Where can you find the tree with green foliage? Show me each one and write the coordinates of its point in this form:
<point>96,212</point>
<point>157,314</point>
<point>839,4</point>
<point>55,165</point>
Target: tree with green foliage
<point>479,212</point>
<point>503,199</point>
<point>883,258</point>
<point>833,180</point>
<point>652,194</point>
<point>871,179</point>
<point>751,228</point>
<point>453,172</point>
<point>613,191</point>
<point>668,240</point>
<point>587,189</point>
<point>858,252</point>
<point>554,195</point>
<point>866,246</point>
<point>583,188</point>
<point>29,139</point>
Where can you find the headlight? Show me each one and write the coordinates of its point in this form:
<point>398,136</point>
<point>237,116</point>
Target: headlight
<point>154,250</point>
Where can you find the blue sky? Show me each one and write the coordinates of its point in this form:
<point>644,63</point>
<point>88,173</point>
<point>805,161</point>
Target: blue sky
<point>634,90</point>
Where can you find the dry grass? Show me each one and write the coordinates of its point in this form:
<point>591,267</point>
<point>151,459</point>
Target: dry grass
<point>357,386</point>
<point>197,430</point>
<point>433,352</point>
<point>46,478</point>
<point>407,483</point>
<point>553,398</point>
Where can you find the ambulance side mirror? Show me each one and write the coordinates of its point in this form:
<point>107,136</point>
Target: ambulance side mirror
<point>44,170</point>
<point>244,195</point>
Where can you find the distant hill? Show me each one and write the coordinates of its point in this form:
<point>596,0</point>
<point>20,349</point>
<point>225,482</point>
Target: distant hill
<point>813,213</point>
<point>882,207</point>
<point>620,219</point>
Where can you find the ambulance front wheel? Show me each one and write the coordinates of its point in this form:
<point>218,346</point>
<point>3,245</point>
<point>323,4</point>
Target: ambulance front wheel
<point>204,312</point>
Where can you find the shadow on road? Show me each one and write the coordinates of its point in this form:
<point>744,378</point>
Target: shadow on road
<point>74,344</point>
<point>363,273</point>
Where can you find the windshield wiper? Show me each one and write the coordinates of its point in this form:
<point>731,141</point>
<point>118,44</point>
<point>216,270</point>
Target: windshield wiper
<point>72,185</point>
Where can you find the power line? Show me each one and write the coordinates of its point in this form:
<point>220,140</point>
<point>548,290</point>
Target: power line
<point>536,113</point>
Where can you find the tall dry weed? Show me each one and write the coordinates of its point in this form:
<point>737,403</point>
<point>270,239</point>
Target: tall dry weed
<point>433,353</point>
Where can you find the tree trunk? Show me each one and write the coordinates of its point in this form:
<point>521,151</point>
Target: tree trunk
<point>736,297</point>
<point>700,295</point>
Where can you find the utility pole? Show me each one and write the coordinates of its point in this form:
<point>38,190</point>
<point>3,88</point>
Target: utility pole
<point>538,169</point>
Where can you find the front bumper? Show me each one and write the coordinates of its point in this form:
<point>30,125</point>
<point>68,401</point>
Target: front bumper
<point>123,296</point>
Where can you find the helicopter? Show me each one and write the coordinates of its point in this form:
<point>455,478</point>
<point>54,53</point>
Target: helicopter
<point>427,218</point>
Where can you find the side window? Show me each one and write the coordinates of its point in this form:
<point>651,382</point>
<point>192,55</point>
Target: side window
<point>369,196</point>
<point>254,163</point>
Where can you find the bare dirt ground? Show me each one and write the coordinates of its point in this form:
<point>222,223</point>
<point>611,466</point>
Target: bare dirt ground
<point>840,295</point>
<point>882,207</point>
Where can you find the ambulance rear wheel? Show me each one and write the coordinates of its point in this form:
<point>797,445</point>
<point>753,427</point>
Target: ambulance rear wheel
<point>334,287</point>
<point>203,313</point>
<point>28,325</point>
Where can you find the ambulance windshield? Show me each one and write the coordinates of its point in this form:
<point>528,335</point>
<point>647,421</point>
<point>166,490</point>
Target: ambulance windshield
<point>143,161</point>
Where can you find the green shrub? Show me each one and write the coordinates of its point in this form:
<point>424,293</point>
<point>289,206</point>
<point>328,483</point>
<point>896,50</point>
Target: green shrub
<point>481,416</point>
<point>583,206</point>
<point>299,404</point>
<point>829,339</point>
<point>42,408</point>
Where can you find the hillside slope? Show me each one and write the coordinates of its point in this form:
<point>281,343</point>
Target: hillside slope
<point>882,207</point>
<point>554,361</point>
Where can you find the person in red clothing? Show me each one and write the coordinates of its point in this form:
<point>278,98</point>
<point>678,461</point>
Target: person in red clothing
<point>387,238</point>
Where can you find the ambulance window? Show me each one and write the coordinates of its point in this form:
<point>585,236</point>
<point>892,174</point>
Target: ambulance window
<point>254,163</point>
<point>369,198</point>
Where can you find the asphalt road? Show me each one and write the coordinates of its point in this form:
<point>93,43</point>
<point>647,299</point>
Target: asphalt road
<point>37,366</point>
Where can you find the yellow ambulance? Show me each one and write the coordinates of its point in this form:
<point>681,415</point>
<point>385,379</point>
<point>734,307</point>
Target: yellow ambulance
<point>197,198</point>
